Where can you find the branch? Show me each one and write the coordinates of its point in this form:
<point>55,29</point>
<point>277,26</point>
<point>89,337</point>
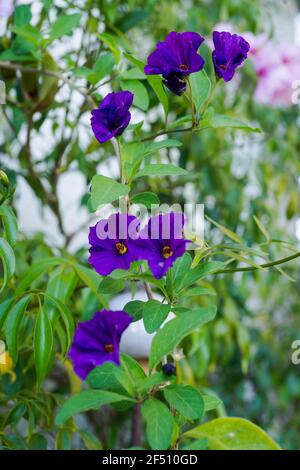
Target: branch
<point>266,265</point>
<point>50,73</point>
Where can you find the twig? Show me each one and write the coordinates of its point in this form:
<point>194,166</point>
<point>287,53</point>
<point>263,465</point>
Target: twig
<point>266,265</point>
<point>50,73</point>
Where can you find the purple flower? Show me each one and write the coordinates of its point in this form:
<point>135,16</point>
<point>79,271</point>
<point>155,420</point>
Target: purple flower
<point>97,341</point>
<point>113,243</point>
<point>230,51</point>
<point>162,242</point>
<point>176,58</point>
<point>112,116</point>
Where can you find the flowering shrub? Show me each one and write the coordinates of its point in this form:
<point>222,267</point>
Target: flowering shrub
<point>64,344</point>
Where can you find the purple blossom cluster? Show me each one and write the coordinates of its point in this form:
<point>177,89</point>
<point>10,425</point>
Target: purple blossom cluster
<point>118,241</point>
<point>115,243</point>
<point>174,59</point>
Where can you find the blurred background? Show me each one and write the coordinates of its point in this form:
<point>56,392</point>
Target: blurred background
<point>245,354</point>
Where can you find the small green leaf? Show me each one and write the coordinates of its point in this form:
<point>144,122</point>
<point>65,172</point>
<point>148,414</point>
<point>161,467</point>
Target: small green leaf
<point>149,382</point>
<point>12,326</point>
<point>141,97</point>
<point>201,87</point>
<point>10,224</point>
<point>64,26</point>
<point>211,402</point>
<point>92,280</point>
<point>111,286</point>
<point>233,434</point>
<point>229,233</point>
<point>186,400</point>
<point>218,120</point>
<point>159,424</point>
<point>22,15</point>
<point>199,272</point>
<point>7,257</point>
<point>110,377</point>
<point>106,190</point>
<point>111,44</point>
<point>132,369</point>
<point>43,344</point>
<point>174,276</point>
<point>154,81</point>
<point>36,270</point>
<point>135,309</point>
<point>154,314</point>
<point>175,330</point>
<point>87,400</point>
<point>146,199</point>
<point>158,169</point>
<point>28,32</point>
<point>4,309</point>
<point>161,144</point>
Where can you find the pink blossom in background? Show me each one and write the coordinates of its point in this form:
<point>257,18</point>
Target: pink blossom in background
<point>277,67</point>
<point>6,8</point>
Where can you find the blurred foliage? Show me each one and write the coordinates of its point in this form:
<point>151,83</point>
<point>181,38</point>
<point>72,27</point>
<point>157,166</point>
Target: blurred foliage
<point>244,355</point>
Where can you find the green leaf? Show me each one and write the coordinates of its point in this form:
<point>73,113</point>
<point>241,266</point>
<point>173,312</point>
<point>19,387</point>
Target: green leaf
<point>149,382</point>
<point>158,169</point>
<point>22,15</point>
<point>174,275</point>
<point>12,326</point>
<point>146,199</point>
<point>211,402</point>
<point>8,260</point>
<point>141,97</point>
<point>110,377</point>
<point>103,67</point>
<point>135,309</point>
<point>132,368</point>
<point>111,44</point>
<point>106,190</point>
<point>233,434</point>
<point>161,144</point>
<point>196,291</point>
<point>133,74</point>
<point>88,400</point>
<point>64,26</point>
<point>28,32</point>
<point>199,272</point>
<point>186,400</point>
<point>43,344</point>
<point>92,280</point>
<point>10,224</point>
<point>67,319</point>
<point>218,120</point>
<point>233,236</point>
<point>159,424</point>
<point>201,86</point>
<point>154,314</point>
<point>36,270</point>
<point>175,330</point>
<point>262,228</point>
<point>4,309</point>
<point>111,286</point>
<point>154,81</point>
<point>200,444</point>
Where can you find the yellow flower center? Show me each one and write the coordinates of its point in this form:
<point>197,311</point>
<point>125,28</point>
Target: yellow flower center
<point>109,348</point>
<point>121,248</point>
<point>167,252</point>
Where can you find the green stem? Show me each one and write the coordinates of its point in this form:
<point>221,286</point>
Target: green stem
<point>266,265</point>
